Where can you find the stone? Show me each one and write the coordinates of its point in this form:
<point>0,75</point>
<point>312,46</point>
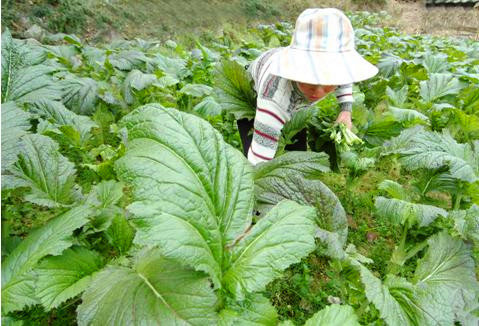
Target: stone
<point>35,32</point>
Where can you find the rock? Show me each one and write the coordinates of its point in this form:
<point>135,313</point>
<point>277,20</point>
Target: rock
<point>35,32</point>
<point>24,22</point>
<point>371,236</point>
<point>334,300</point>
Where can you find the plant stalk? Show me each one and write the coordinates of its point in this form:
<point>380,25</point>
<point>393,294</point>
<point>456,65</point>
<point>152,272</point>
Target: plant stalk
<point>457,202</point>
<point>399,254</point>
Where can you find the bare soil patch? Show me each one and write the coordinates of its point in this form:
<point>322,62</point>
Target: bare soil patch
<point>414,18</point>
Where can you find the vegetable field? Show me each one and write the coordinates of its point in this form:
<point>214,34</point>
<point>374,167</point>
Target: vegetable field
<point>126,199</point>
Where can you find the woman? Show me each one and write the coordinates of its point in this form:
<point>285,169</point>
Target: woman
<point>321,59</point>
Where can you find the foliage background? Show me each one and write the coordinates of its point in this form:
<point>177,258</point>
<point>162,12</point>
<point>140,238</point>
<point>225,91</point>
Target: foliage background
<point>106,20</point>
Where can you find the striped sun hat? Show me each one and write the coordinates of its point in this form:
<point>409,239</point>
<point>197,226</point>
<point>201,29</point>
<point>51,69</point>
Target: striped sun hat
<point>322,51</point>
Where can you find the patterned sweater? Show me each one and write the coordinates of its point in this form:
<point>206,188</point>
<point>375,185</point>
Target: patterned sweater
<point>278,99</point>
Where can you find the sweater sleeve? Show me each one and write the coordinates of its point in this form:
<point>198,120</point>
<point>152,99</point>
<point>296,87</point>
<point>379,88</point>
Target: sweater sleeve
<point>344,94</point>
<point>268,123</point>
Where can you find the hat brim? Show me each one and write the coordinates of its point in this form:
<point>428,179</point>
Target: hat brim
<point>322,68</point>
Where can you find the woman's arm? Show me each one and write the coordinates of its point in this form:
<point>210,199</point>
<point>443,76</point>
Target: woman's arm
<point>344,94</point>
<point>268,123</point>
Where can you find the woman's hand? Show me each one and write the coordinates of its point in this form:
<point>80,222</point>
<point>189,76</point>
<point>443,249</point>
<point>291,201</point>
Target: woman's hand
<point>345,117</point>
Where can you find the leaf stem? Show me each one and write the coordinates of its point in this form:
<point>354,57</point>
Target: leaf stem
<point>457,202</point>
<point>360,311</point>
<point>423,192</point>
<point>399,255</point>
<point>403,236</point>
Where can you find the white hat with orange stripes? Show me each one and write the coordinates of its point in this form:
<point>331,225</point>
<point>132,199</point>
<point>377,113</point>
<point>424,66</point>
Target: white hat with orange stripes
<point>322,51</point>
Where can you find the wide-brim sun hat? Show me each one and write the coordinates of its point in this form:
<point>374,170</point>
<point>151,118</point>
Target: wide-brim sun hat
<point>322,51</point>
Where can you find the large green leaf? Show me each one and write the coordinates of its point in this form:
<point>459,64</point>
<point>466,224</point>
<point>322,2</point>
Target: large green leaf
<point>379,294</point>
<point>128,60</point>
<point>23,79</point>
<point>399,211</point>
<point>31,84</point>
<point>394,190</point>
<point>234,90</point>
<point>334,243</point>
<point>49,175</point>
<point>118,231</point>
<point>196,90</point>
<point>469,303</point>
<point>378,129</point>
<point>193,192</point>
<point>286,323</point>
<point>470,98</point>
<point>208,107</point>
<point>207,53</point>
<point>59,278</point>
<point>334,315</point>
<point>397,98</point>
<point>443,278</point>
<point>437,181</point>
<point>15,123</point>
<point>298,121</point>
<point>407,115</point>
<point>120,234</point>
<point>271,190</point>
<point>448,263</point>
<point>285,177</point>
<point>281,238</point>
<point>435,63</point>
<point>467,123</point>
<point>439,85</point>
<point>194,197</point>
<point>136,81</point>
<point>80,94</point>
<point>466,223</point>
<point>402,140</point>
<point>444,288</point>
<point>93,56</point>
<point>166,81</point>
<point>12,60</point>
<point>155,291</point>
<point>306,164</point>
<point>59,116</point>
<point>255,311</point>
<point>106,194</point>
<point>389,64</point>
<point>173,67</point>
<point>404,293</point>
<point>66,55</point>
<point>432,150</point>
<point>51,239</point>
<point>16,54</point>
<point>355,163</point>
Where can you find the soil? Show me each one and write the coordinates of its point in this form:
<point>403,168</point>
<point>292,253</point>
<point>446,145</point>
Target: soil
<point>412,17</point>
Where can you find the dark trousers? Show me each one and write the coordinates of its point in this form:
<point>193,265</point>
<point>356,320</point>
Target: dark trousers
<point>245,127</point>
